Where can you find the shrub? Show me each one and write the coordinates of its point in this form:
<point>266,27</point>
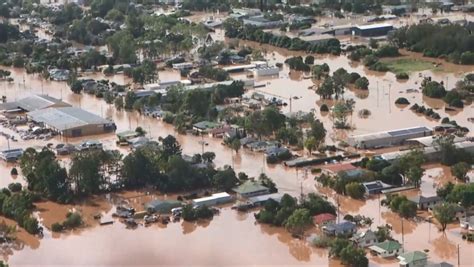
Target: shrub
<point>402,101</point>
<point>73,220</point>
<point>457,103</point>
<point>14,187</point>
<point>434,89</point>
<point>402,76</point>
<point>309,60</point>
<point>57,227</point>
<point>353,77</point>
<point>14,171</point>
<point>324,108</point>
<point>362,83</point>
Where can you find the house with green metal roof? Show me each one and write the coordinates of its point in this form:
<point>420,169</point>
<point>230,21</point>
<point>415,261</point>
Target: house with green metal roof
<point>388,248</point>
<point>413,259</point>
<point>250,188</point>
<point>204,126</point>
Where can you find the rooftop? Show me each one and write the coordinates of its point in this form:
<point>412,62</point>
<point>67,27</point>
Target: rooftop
<point>66,118</point>
<point>410,257</point>
<point>34,102</point>
<point>388,245</point>
<point>323,217</point>
<point>374,26</point>
<point>422,199</point>
<point>249,187</point>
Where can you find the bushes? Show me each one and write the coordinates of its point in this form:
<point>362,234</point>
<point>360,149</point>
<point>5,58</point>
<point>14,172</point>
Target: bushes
<point>402,76</point>
<point>353,77</point>
<point>355,190</point>
<point>467,58</point>
<point>453,98</point>
<point>324,108</point>
<point>73,220</point>
<point>56,227</point>
<point>362,83</point>
<point>402,206</point>
<point>433,89</point>
<point>14,171</point>
<point>214,73</point>
<point>402,101</point>
<point>191,214</point>
<point>387,51</point>
<point>309,60</point>
<point>296,63</point>
<point>14,187</point>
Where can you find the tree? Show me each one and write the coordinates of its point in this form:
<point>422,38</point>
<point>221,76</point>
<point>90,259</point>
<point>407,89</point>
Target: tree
<point>310,144</point>
<point>224,179</point>
<point>433,89</point>
<point>85,173</point>
<point>355,190</point>
<point>208,156</point>
<point>171,147</point>
<point>362,83</point>
<point>414,175</point>
<point>460,169</point>
<point>444,214</point>
<point>236,145</point>
<point>298,221</point>
<point>309,60</point>
<point>383,233</point>
<point>318,132</point>
<point>326,89</point>
<point>354,256</point>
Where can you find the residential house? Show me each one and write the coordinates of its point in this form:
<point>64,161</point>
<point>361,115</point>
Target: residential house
<point>161,206</point>
<point>413,259</point>
<point>467,223</point>
<point>333,169</point>
<point>324,219</point>
<point>364,239</point>
<point>204,126</point>
<point>425,203</point>
<point>388,248</point>
<point>275,151</point>
<point>441,264</point>
<point>250,188</point>
<point>344,228</point>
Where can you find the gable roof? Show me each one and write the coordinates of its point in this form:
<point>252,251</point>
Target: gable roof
<point>323,217</point>
<point>413,256</point>
<point>35,102</point>
<point>367,235</point>
<point>249,187</point>
<point>387,245</point>
<point>422,200</point>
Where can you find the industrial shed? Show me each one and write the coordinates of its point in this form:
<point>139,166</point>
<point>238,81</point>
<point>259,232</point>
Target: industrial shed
<point>32,103</point>
<point>372,30</point>
<point>388,138</point>
<point>71,121</point>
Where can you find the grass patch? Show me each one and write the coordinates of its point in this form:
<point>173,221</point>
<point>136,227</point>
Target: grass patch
<point>410,65</point>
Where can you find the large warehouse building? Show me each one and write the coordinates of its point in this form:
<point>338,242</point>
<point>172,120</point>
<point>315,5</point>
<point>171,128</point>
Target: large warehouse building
<point>32,103</point>
<point>71,121</point>
<point>388,138</point>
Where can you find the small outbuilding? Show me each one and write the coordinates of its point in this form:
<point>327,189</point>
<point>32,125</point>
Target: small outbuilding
<point>375,187</point>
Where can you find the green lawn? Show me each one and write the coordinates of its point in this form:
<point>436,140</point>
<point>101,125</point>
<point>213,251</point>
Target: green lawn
<point>410,65</point>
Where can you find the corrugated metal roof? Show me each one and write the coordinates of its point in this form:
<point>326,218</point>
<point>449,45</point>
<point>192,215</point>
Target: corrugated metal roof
<point>35,102</point>
<point>66,118</point>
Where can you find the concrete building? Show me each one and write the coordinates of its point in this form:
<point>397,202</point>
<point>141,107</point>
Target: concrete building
<point>215,199</point>
<point>388,138</point>
<point>372,30</point>
<point>32,103</point>
<point>250,189</point>
<point>71,121</point>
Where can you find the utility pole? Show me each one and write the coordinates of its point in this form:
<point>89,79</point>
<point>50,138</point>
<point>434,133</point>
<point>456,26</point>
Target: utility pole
<point>403,237</point>
<point>377,93</point>
<point>459,257</point>
<point>389,93</point>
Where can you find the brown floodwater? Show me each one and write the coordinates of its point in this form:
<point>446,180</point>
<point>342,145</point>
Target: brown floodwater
<point>233,238</point>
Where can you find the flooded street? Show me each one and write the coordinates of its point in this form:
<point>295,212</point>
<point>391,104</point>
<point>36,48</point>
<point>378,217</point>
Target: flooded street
<point>233,238</point>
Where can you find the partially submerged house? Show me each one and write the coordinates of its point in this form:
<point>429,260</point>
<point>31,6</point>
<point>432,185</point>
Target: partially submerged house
<point>425,203</point>
<point>413,259</point>
<point>204,126</point>
<point>161,206</point>
<point>344,228</point>
<point>260,200</point>
<point>250,188</point>
<point>388,248</point>
<point>324,219</point>
<point>364,239</point>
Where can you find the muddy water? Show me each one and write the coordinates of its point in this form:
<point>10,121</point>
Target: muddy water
<point>108,245</point>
